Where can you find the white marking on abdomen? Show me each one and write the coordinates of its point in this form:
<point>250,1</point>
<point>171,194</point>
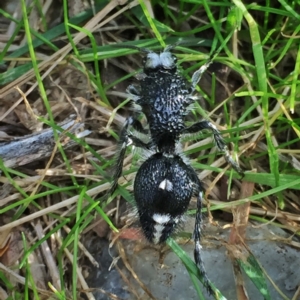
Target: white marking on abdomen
<point>161,219</point>
<point>158,229</point>
<point>166,185</point>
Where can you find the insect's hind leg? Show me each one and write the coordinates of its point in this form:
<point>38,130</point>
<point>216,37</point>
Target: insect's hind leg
<point>125,140</point>
<point>198,247</point>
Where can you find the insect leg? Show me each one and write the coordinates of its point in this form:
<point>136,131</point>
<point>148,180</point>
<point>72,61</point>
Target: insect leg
<point>198,74</point>
<point>126,139</point>
<point>134,92</point>
<point>221,145</point>
<point>198,247</point>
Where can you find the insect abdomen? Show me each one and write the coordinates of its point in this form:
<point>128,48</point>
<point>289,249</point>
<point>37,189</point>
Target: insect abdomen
<point>163,189</point>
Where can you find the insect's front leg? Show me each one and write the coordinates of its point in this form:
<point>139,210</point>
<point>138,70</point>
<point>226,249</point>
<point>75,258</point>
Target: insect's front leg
<point>134,92</point>
<point>198,74</point>
<point>221,145</point>
<point>126,139</point>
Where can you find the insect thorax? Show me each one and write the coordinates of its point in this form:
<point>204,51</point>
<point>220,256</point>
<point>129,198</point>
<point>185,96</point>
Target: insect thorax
<point>164,101</point>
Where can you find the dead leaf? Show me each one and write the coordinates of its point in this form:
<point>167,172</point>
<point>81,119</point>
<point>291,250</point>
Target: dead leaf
<point>5,237</point>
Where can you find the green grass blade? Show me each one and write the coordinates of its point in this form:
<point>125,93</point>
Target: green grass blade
<point>152,24</point>
<point>191,267</point>
<point>262,83</point>
<point>255,273</point>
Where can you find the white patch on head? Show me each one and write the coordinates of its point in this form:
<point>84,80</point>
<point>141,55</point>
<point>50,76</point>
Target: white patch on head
<point>166,185</point>
<point>161,219</point>
<point>164,59</point>
<point>153,61</point>
<point>167,60</point>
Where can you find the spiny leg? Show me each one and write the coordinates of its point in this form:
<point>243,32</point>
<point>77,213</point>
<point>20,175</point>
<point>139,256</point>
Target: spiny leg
<point>218,140</point>
<point>198,247</point>
<point>198,74</point>
<point>126,139</point>
<point>134,92</point>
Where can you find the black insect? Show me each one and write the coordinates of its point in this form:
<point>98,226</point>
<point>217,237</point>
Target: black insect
<point>165,182</point>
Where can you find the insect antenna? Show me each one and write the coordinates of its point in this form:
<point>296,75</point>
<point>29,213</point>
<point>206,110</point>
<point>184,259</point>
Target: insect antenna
<point>144,50</point>
<point>171,47</point>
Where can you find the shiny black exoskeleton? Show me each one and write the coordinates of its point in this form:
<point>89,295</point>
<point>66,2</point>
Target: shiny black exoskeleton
<point>165,182</point>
